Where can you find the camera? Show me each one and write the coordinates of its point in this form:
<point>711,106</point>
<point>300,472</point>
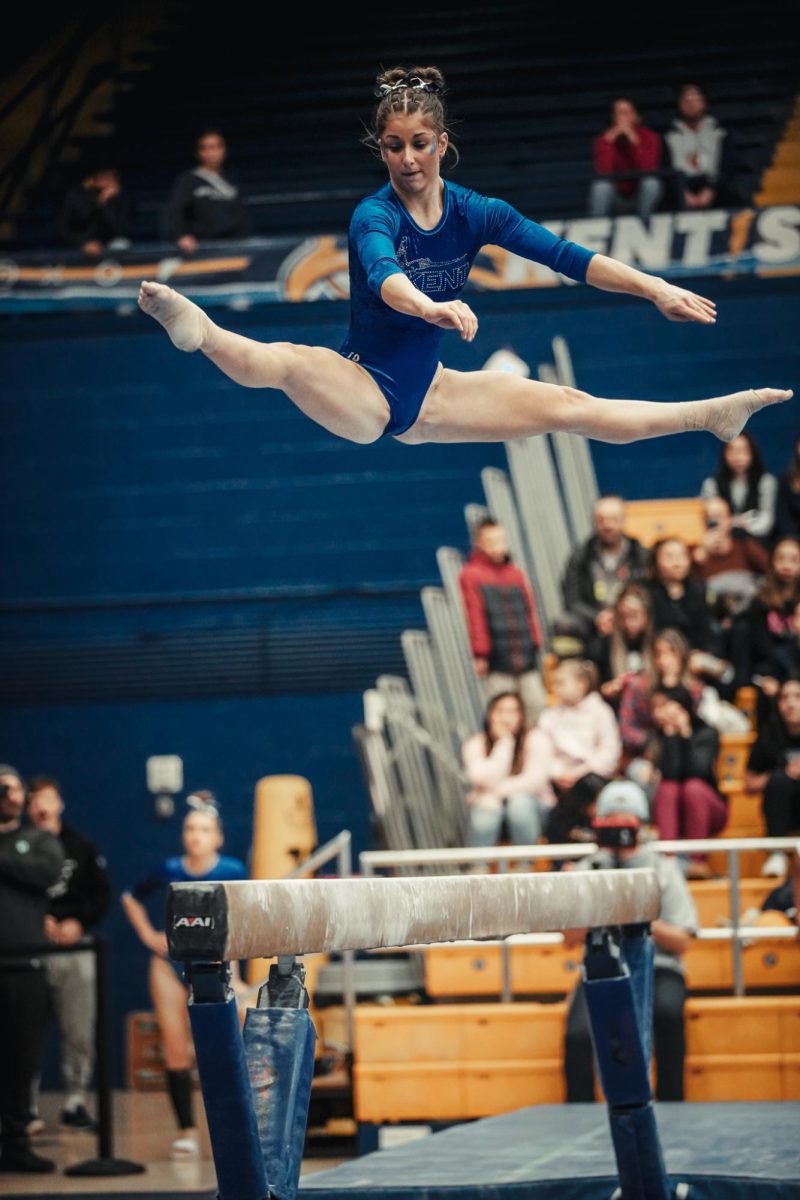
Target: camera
<point>617,833</point>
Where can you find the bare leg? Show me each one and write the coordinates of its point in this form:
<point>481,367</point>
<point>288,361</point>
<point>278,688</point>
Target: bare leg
<point>333,391</point>
<point>492,406</point>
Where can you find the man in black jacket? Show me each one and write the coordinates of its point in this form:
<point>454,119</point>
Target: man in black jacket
<point>205,204</point>
<point>597,571</point>
<point>30,863</point>
<point>77,901</point>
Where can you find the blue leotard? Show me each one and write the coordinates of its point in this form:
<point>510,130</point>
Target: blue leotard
<point>401,352</point>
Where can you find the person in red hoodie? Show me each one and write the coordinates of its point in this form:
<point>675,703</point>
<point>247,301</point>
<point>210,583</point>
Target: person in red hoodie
<point>626,146</point>
<point>503,624</point>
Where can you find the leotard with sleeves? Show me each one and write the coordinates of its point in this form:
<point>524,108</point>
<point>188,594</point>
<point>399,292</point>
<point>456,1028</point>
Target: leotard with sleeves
<point>401,352</point>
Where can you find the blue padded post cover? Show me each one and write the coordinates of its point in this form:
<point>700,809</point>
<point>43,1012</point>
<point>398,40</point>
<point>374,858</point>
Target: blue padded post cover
<point>638,952</point>
<point>228,1100</point>
<point>279,1044</point>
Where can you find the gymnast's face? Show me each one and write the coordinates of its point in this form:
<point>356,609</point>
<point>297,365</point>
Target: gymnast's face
<point>202,835</point>
<point>412,151</point>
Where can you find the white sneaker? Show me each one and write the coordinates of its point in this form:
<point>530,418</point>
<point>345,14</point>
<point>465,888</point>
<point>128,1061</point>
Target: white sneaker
<point>185,1147</point>
<point>777,864</point>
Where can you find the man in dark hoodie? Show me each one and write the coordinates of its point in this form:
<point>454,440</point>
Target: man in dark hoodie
<point>502,620</point>
<point>205,203</point>
<point>597,571</point>
<point>77,901</point>
<point>30,862</point>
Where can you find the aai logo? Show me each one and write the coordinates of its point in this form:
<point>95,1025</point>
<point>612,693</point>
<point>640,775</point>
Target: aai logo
<point>193,923</point>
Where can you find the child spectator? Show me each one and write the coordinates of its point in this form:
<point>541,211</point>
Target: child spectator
<point>742,479</point>
<point>501,766</point>
<point>502,620</point>
<point>576,747</point>
<point>687,802</point>
<point>630,152</point>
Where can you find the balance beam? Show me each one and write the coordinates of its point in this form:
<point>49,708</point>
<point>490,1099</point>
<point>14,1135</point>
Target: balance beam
<point>259,918</point>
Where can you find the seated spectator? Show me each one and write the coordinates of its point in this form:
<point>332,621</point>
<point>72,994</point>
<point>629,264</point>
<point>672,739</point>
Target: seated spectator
<point>501,766</point>
<point>205,204</point>
<point>672,932</point>
<point>774,769</point>
<point>596,572</point>
<point>786,898</point>
<point>687,802</point>
<point>628,650</point>
<point>502,620</point>
<point>784,664</point>
<point>733,565</point>
<point>97,214</point>
<point>627,148</point>
<point>77,902</point>
<point>671,668</point>
<point>696,145</point>
<point>678,600</point>
<point>787,504</point>
<point>743,481</point>
<point>772,613</point>
<point>576,748</point>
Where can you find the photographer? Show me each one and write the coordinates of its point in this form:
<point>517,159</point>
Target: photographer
<point>30,863</point>
<point>621,811</point>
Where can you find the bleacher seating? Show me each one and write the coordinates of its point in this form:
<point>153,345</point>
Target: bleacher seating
<point>294,119</point>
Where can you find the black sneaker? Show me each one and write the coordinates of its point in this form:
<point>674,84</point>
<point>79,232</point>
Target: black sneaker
<point>21,1159</point>
<point>78,1118</point>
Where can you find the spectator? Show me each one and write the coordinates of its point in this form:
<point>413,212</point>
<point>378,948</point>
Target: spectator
<point>678,600</point>
<point>503,624</point>
<point>202,841</point>
<point>597,571</point>
<point>205,205</point>
<point>77,901</point>
<point>733,564</point>
<point>672,933</point>
<point>786,898</point>
<point>576,748</point>
<point>628,650</point>
<point>671,669</point>
<point>501,765</point>
<point>687,802</point>
<point>784,663</point>
<point>630,149</point>
<point>696,144</point>
<point>772,613</point>
<point>787,505</point>
<point>30,863</point>
<point>774,769</point>
<point>742,480</point>
<point>97,214</point>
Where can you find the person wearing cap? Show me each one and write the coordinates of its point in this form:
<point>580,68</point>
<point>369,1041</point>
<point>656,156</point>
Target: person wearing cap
<point>626,803</point>
<point>30,863</point>
<point>201,862</point>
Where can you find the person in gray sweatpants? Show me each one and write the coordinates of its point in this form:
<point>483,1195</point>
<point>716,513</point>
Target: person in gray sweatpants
<point>77,901</point>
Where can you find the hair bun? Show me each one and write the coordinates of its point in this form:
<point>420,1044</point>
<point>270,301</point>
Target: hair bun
<point>424,79</point>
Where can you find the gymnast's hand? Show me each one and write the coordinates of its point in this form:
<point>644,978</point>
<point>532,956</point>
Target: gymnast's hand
<point>677,304</point>
<point>453,314</point>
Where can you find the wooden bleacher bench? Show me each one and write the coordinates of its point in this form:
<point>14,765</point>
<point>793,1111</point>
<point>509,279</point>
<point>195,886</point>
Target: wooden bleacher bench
<point>651,520</point>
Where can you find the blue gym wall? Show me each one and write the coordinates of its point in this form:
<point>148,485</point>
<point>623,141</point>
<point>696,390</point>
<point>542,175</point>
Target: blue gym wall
<point>193,568</point>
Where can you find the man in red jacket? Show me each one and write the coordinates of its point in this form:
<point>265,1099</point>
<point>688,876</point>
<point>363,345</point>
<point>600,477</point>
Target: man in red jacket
<point>626,146</point>
<point>504,631</point>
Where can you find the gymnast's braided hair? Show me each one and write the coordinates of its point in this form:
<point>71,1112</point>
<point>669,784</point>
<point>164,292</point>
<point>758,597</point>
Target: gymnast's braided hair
<point>403,90</point>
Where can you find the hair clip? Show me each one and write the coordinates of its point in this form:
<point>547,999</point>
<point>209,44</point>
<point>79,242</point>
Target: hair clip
<point>407,83</point>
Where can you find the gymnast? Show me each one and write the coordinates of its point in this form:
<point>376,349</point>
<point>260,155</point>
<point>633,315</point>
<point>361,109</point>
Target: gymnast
<point>202,841</point>
<point>411,247</point>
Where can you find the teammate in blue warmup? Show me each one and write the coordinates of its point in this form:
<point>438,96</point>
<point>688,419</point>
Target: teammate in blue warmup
<point>412,244</point>
<point>201,860</point>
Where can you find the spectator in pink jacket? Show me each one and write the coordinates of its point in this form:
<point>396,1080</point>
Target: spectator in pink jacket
<point>626,156</point>
<point>576,748</point>
<point>502,767</point>
<point>502,621</point>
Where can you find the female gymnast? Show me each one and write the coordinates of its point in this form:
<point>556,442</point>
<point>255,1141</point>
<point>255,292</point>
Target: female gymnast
<point>202,842</point>
<point>411,246</point>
